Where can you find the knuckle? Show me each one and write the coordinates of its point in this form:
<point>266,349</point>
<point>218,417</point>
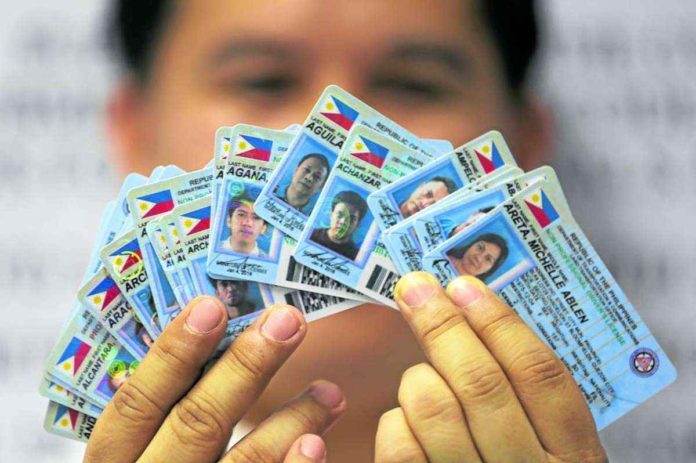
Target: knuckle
<point>424,397</point>
<point>134,404</point>
<point>251,450</point>
<point>538,370</point>
<point>480,383</point>
<point>500,325</point>
<point>246,362</point>
<point>443,322</point>
<point>172,354</point>
<point>198,422</point>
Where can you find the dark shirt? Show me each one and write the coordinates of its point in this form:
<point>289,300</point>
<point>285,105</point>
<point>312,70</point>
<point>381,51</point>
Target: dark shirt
<point>348,248</point>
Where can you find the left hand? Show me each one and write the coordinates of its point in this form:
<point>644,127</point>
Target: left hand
<point>492,390</point>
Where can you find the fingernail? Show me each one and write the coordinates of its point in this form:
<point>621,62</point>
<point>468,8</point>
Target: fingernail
<point>313,447</point>
<point>416,288</point>
<point>464,291</point>
<point>205,315</point>
<point>327,394</point>
<point>281,325</point>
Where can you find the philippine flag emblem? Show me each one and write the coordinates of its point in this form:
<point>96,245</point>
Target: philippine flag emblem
<point>226,143</point>
<point>66,418</point>
<point>542,209</point>
<point>126,259</point>
<point>196,221</point>
<point>253,148</point>
<point>369,151</point>
<point>58,389</point>
<point>154,204</point>
<point>103,294</point>
<point>489,156</point>
<point>74,355</point>
<point>339,113</point>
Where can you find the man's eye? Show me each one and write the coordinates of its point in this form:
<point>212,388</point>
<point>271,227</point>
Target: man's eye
<point>272,83</point>
<point>411,87</point>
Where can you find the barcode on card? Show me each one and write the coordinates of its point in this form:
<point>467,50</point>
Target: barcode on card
<point>311,302</point>
<point>301,274</point>
<point>383,281</point>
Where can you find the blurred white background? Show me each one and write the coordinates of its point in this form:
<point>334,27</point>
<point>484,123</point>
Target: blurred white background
<point>618,74</point>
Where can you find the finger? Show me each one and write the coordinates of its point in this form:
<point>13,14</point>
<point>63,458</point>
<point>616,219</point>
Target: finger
<point>435,416</point>
<point>395,443</point>
<point>172,365</point>
<point>309,448</point>
<point>547,391</point>
<point>312,412</point>
<point>199,426</point>
<point>497,422</point>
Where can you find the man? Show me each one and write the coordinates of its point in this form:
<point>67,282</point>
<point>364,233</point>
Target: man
<point>425,194</point>
<point>245,228</point>
<point>448,69</point>
<point>307,180</point>
<point>233,294</point>
<point>347,211</point>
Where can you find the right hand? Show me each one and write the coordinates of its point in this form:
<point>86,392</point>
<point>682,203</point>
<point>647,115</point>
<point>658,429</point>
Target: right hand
<point>167,412</point>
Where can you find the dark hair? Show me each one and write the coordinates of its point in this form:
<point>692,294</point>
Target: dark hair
<point>448,182</point>
<point>237,283</point>
<point>135,27</point>
<point>319,157</point>
<point>238,201</point>
<point>483,210</point>
<point>351,198</point>
<point>492,238</point>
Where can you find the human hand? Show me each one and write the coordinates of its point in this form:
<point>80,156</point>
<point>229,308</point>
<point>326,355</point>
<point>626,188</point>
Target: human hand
<point>491,391</point>
<point>167,412</point>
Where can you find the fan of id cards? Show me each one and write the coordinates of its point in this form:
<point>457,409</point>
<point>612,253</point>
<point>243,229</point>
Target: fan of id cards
<point>326,216</point>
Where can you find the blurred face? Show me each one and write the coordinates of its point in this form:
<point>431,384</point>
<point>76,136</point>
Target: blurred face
<point>430,65</point>
<point>479,258</point>
<point>344,220</point>
<point>231,293</point>
<point>423,196</point>
<point>245,226</point>
<point>309,177</point>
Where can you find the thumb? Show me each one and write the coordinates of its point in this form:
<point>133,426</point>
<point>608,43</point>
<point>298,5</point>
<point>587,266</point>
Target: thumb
<point>308,448</point>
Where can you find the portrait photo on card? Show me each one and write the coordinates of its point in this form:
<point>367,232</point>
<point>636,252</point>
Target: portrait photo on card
<point>239,297</point>
<point>244,233</point>
<point>422,191</point>
<point>303,176</point>
<point>134,330</point>
<point>343,222</point>
<point>460,216</point>
<point>491,252</point>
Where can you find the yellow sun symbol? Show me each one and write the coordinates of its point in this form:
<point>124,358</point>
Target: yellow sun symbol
<point>66,367</point>
<point>226,148</point>
<point>242,145</point>
<point>163,239</point>
<point>143,206</point>
<point>118,261</point>
<point>59,388</point>
<point>97,300</point>
<point>536,198</point>
<point>64,422</point>
<point>188,223</point>
<point>330,106</point>
<point>175,232</point>
<point>486,149</point>
<point>360,146</point>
